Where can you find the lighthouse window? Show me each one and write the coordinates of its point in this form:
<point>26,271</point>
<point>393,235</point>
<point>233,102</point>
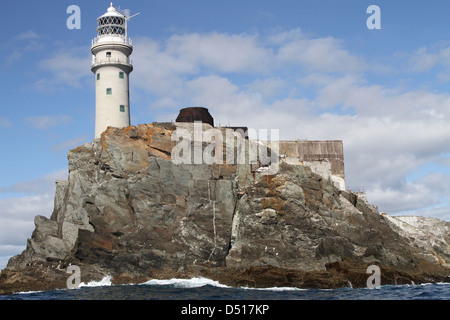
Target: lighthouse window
<point>98,76</point>
<point>122,108</point>
<point>108,54</point>
<point>121,76</point>
<point>108,91</point>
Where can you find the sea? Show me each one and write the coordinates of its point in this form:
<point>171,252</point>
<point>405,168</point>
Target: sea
<point>206,289</point>
<point>201,297</point>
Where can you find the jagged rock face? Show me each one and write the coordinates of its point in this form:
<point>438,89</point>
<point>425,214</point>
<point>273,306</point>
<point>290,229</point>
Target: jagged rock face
<point>430,234</point>
<point>127,208</point>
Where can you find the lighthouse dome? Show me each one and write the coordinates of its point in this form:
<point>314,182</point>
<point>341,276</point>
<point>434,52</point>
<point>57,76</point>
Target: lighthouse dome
<point>111,8</point>
<point>112,12</point>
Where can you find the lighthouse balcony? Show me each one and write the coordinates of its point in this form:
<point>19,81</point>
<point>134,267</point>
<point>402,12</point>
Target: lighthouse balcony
<point>122,39</point>
<point>96,62</point>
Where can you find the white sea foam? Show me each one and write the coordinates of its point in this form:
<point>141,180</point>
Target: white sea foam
<point>201,282</point>
<point>186,283</point>
<point>28,292</point>
<point>106,281</point>
<point>433,283</point>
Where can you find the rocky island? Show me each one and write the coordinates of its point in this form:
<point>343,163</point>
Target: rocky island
<point>130,212</point>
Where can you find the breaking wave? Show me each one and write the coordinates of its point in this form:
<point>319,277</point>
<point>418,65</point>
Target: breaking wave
<point>185,283</point>
<point>106,281</point>
<point>201,282</point>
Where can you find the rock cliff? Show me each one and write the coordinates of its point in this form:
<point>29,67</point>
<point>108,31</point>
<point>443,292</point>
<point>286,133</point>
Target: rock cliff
<point>129,211</point>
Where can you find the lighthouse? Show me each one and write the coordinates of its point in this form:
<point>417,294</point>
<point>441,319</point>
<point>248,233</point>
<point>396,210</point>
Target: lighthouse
<point>111,64</point>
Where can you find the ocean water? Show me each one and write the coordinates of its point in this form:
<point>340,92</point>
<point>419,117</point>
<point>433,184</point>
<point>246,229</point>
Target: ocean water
<point>201,298</point>
<point>206,289</point>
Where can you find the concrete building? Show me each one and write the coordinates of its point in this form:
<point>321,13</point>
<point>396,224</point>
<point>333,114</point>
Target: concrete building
<point>324,157</point>
<point>111,64</point>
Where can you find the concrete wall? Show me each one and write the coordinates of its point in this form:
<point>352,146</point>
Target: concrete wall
<point>323,157</point>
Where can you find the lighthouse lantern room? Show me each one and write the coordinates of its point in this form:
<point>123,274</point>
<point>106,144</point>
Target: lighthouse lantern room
<point>111,64</point>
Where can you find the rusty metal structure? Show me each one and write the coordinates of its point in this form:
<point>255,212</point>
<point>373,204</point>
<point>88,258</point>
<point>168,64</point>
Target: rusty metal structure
<point>193,114</point>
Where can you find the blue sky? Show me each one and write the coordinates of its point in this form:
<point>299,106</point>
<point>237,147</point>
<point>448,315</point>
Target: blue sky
<point>309,68</point>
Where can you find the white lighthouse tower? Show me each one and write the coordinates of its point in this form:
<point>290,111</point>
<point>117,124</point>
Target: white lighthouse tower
<point>111,64</point>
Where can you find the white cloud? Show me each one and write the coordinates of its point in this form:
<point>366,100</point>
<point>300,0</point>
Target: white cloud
<point>27,41</point>
<point>378,100</point>
<point>222,52</point>
<point>17,218</point>
<point>426,58</point>
<point>409,197</point>
<point>212,88</point>
<point>164,68</point>
<point>267,87</point>
<point>28,35</point>
<point>424,61</point>
<point>316,54</point>
<point>424,196</point>
<point>66,68</point>
<point>431,61</point>
<point>17,214</point>
<point>45,122</point>
<point>8,251</point>
<point>156,71</point>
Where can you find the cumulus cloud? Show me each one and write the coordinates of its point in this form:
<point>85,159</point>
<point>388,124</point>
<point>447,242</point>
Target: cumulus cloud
<point>352,91</point>
<point>222,52</point>
<point>267,87</point>
<point>425,196</point>
<point>321,54</point>
<point>164,67</point>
